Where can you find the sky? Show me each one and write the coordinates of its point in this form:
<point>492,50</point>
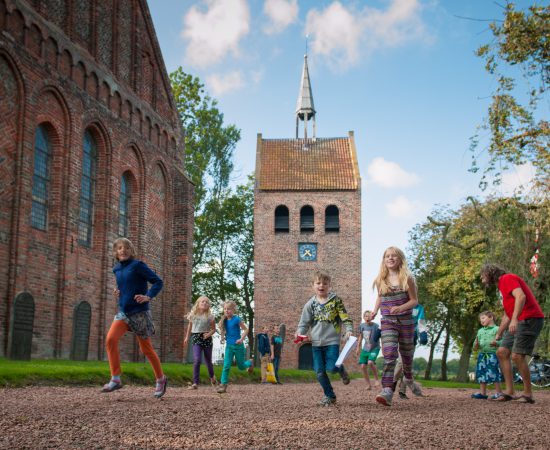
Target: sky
<point>402,74</point>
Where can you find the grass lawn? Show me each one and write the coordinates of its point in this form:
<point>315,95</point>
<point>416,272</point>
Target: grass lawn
<point>58,372</point>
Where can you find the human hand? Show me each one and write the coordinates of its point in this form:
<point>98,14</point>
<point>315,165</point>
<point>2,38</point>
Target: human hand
<point>347,335</point>
<point>512,328</point>
<point>185,341</point>
<point>494,343</point>
<point>141,298</point>
<point>396,310</point>
<point>206,335</point>
<point>116,293</point>
<point>239,341</point>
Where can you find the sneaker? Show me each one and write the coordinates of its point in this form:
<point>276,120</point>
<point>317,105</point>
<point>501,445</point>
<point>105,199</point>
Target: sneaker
<point>344,375</point>
<point>403,396</point>
<point>414,387</point>
<point>160,388</point>
<point>495,396</point>
<point>480,396</point>
<point>385,397</point>
<point>193,386</point>
<point>112,386</point>
<point>251,367</point>
<point>327,401</point>
<point>213,381</point>
<point>222,388</point>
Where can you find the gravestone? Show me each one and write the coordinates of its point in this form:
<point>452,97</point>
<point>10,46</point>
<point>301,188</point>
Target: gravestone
<point>81,331</point>
<point>305,357</point>
<point>22,326</point>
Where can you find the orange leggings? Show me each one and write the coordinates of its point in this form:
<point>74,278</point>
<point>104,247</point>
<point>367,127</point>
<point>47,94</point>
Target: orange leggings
<point>117,330</point>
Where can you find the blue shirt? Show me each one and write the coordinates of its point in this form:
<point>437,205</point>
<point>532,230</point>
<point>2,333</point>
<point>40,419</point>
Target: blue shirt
<point>418,313</point>
<point>132,277</point>
<point>232,330</point>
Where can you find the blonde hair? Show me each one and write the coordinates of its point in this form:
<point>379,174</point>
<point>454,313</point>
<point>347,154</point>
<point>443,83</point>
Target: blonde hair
<point>321,275</point>
<point>233,306</point>
<point>127,243</point>
<point>194,310</point>
<point>381,282</point>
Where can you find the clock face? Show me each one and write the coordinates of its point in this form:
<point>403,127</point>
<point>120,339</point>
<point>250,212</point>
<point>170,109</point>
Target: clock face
<point>307,252</point>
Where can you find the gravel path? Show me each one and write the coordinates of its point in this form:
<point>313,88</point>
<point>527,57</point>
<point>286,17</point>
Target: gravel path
<point>265,417</point>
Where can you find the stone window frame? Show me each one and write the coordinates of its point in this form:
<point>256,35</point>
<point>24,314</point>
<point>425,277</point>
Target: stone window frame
<point>307,221</point>
<point>124,205</point>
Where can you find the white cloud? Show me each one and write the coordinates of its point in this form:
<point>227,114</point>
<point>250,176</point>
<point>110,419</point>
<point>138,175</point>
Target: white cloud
<point>281,14</point>
<point>516,179</point>
<point>220,84</point>
<point>213,34</point>
<point>402,207</point>
<point>344,34</point>
<point>388,174</point>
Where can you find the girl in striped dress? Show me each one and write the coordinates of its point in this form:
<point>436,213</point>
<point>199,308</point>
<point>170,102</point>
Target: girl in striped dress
<point>396,298</point>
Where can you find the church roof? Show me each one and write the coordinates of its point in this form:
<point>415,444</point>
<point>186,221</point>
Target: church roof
<point>307,164</point>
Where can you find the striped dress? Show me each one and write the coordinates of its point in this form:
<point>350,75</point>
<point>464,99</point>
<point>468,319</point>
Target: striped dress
<point>397,335</point>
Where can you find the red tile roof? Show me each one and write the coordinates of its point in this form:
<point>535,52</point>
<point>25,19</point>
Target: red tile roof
<point>307,164</point>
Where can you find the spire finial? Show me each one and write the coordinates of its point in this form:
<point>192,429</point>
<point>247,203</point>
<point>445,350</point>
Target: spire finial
<point>304,107</point>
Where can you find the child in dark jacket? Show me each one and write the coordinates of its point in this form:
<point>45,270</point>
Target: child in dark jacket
<point>264,351</point>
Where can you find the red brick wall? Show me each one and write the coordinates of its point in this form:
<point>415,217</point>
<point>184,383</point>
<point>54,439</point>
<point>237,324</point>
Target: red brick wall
<point>78,79</point>
<point>282,284</point>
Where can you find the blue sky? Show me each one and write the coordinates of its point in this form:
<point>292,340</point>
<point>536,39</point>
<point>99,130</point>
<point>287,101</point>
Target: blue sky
<point>402,74</point>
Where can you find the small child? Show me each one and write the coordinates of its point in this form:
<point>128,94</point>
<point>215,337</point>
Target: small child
<point>369,337</point>
<point>487,368</point>
<point>276,349</point>
<point>230,329</point>
<point>396,297</point>
<point>323,315</point>
<point>201,328</point>
<point>264,349</point>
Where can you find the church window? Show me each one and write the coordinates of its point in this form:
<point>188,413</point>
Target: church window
<point>332,219</point>
<point>87,188</point>
<point>281,219</point>
<point>123,203</point>
<point>307,223</point>
<point>41,178</point>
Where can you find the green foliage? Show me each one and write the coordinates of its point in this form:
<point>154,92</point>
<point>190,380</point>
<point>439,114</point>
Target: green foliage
<point>519,59</point>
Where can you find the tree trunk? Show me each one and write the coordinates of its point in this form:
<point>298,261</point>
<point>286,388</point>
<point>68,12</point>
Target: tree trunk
<point>464,362</point>
<point>446,346</point>
<point>428,372</point>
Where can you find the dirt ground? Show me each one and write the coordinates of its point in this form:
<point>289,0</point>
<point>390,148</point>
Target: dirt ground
<point>265,417</point>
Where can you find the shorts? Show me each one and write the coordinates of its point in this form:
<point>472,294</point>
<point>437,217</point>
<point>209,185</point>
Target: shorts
<point>369,355</point>
<point>523,341</point>
<point>488,369</point>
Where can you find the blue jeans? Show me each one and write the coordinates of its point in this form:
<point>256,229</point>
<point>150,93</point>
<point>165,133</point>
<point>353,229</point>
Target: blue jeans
<point>324,360</point>
<point>233,351</point>
<point>276,362</point>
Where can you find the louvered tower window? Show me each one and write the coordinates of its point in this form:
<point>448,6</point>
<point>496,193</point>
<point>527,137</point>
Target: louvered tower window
<point>307,223</point>
<point>332,219</point>
<point>281,219</point>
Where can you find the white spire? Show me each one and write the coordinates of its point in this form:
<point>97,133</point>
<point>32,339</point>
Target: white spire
<point>305,110</point>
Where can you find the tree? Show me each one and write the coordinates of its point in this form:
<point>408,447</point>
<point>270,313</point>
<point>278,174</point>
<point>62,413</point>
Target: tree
<point>519,58</point>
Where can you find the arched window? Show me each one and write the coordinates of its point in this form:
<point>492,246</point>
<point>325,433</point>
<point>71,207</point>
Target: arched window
<point>87,189</point>
<point>41,178</point>
<point>281,219</point>
<point>123,204</point>
<point>332,219</point>
<point>307,223</point>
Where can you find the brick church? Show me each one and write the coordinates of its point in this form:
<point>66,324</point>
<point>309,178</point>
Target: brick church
<point>307,216</point>
<point>91,149</point>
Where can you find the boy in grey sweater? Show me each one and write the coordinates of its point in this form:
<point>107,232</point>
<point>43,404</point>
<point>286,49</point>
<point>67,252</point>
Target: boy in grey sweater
<point>323,315</point>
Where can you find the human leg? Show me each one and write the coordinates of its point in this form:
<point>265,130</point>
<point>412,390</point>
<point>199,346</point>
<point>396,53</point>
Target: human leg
<point>319,365</point>
<point>503,355</point>
<point>117,330</point>
<point>406,328</point>
<point>373,354</point>
<point>227,362</point>
<point>276,363</point>
<point>146,347</point>
<point>208,361</point>
<point>524,342</point>
<point>363,360</point>
<point>523,368</point>
<point>197,356</point>
<point>242,364</point>
<point>389,338</point>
